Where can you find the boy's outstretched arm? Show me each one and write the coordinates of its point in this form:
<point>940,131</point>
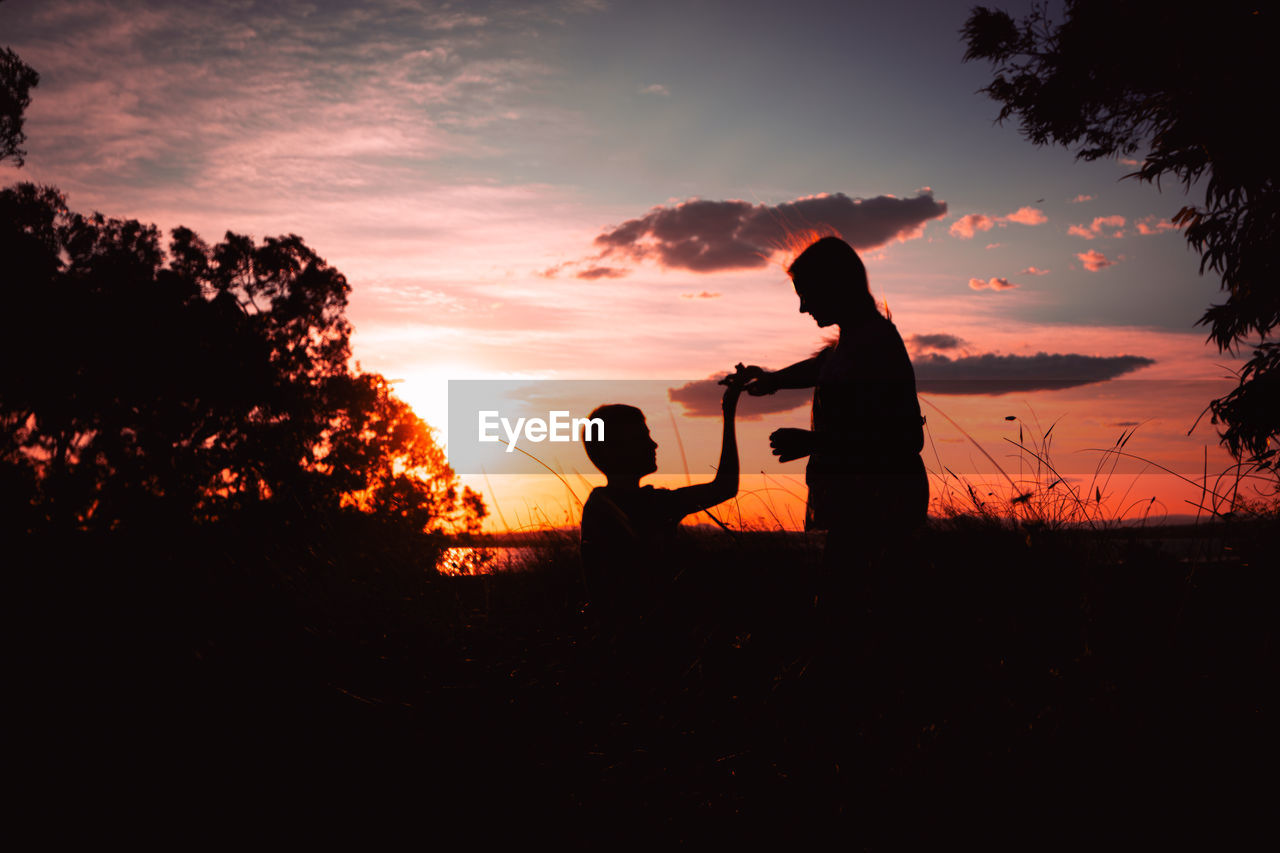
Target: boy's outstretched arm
<point>725,485</point>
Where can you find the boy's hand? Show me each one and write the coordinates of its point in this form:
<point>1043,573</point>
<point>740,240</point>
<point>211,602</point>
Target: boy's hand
<point>738,380</point>
<point>734,383</point>
<point>789,443</point>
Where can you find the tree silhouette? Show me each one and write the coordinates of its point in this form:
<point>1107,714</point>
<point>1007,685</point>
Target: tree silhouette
<point>1182,85</point>
<point>16,81</point>
<point>142,385</point>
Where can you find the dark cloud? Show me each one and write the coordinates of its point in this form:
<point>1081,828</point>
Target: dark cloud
<point>921,343</point>
<point>986,375</point>
<point>707,236</point>
<point>593,273</point>
<point>992,375</point>
<point>701,399</point>
<point>589,273</point>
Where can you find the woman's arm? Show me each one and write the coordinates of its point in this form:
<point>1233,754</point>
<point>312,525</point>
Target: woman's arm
<point>802,374</point>
<point>885,424</point>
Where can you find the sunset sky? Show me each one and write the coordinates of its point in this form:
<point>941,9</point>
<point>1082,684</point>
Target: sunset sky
<point>593,190</point>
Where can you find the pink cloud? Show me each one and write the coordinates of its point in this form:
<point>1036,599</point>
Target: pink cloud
<point>1116,222</point>
<point>994,245</point>
<point>1154,225</point>
<point>706,294</point>
<point>238,116</point>
<point>992,283</point>
<point>1034,271</point>
<point>1026,216</point>
<point>1095,229</point>
<point>966,226</point>
<point>1094,261</point>
<point>1081,198</point>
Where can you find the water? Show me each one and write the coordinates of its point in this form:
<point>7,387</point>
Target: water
<point>482,561</point>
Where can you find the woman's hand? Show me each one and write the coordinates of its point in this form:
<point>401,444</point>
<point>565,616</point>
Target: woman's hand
<point>739,378</point>
<point>789,443</point>
<point>760,382</point>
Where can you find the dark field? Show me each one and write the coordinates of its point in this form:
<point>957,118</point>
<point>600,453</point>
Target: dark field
<point>980,680</point>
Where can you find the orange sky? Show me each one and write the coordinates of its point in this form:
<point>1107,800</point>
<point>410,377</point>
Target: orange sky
<point>541,191</point>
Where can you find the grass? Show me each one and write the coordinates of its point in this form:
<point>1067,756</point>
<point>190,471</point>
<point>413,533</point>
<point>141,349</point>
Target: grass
<point>1029,646</point>
<point>1024,655</point>
<point>1042,496</point>
<point>1031,665</point>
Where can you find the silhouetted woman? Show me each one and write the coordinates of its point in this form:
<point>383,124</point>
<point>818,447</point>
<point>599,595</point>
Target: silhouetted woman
<point>867,484</point>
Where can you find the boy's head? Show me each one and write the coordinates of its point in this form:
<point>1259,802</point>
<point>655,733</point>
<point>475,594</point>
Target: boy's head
<point>627,449</point>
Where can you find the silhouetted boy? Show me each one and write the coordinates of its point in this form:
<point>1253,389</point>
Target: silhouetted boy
<point>627,529</point>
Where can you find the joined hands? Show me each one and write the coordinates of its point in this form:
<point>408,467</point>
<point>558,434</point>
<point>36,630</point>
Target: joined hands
<point>788,443</point>
<point>740,377</point>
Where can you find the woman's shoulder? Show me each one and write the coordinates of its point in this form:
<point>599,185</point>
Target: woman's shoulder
<point>883,336</point>
<point>882,327</point>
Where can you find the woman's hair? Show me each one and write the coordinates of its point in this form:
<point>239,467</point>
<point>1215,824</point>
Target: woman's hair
<point>831,261</point>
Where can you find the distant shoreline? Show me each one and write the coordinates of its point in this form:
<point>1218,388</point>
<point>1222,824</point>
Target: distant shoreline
<point>1184,526</point>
